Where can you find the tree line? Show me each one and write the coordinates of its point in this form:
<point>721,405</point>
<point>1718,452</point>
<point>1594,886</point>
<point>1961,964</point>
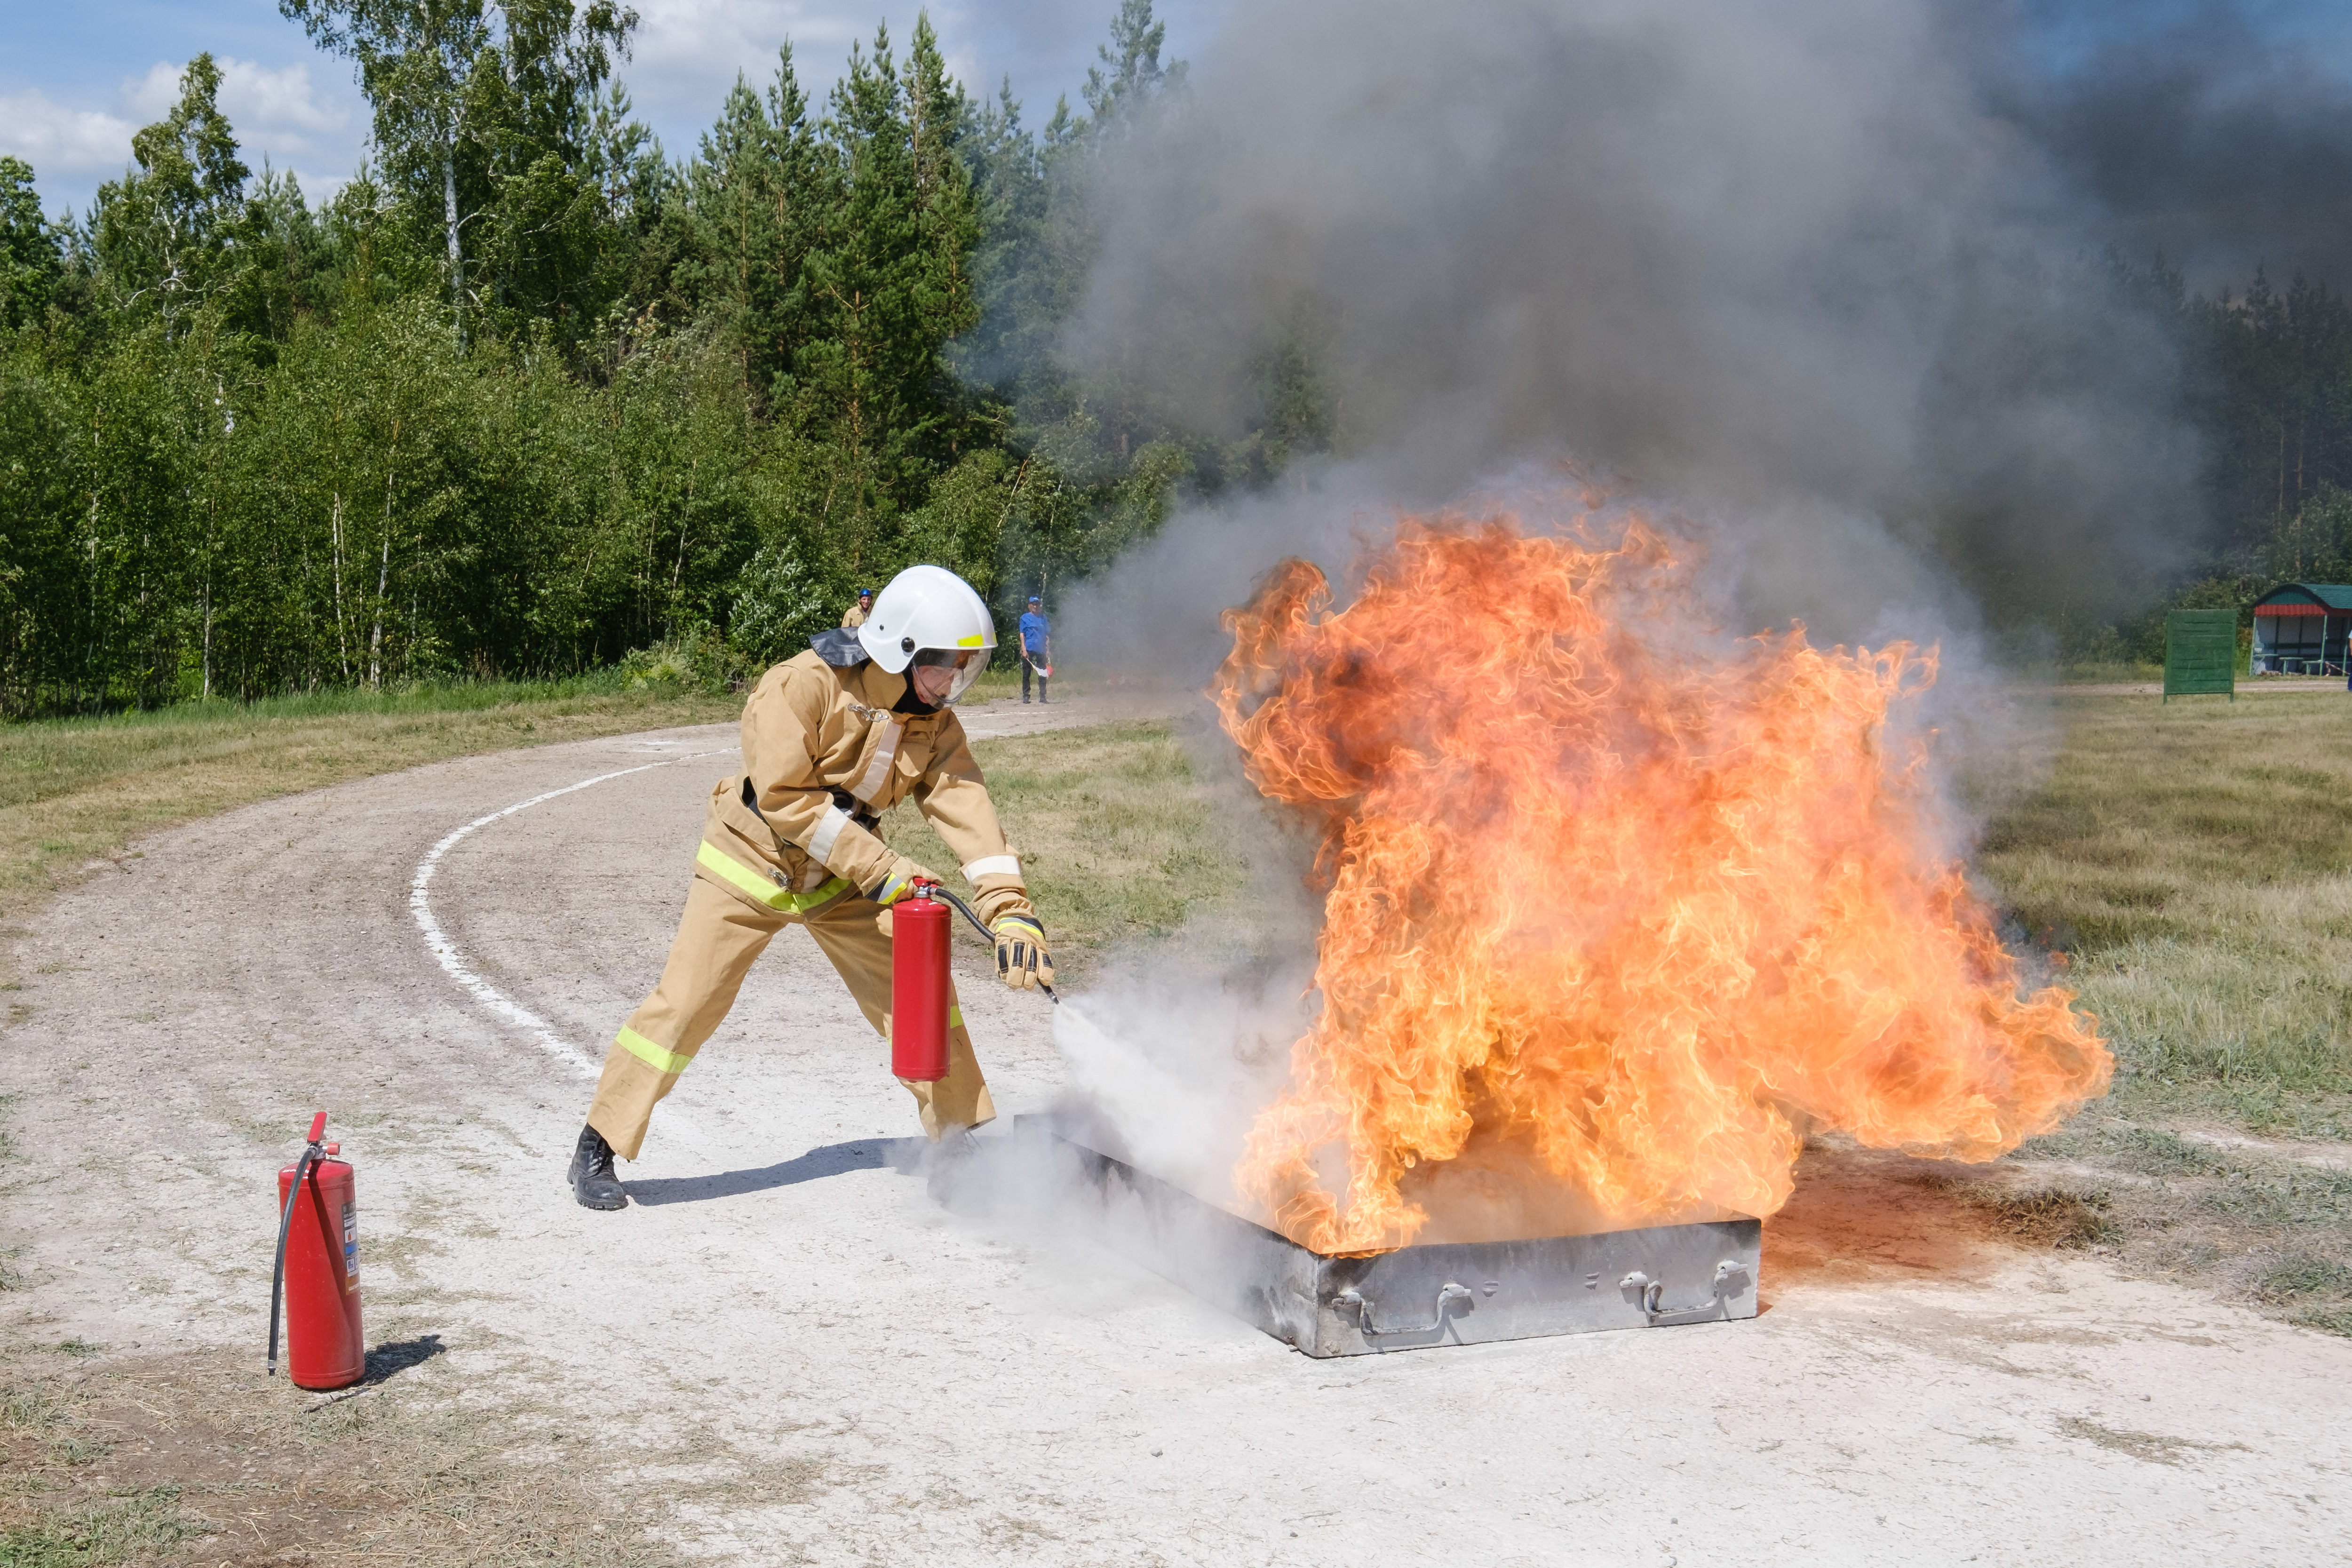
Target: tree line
<point>527,394</point>
<point>2267,388</point>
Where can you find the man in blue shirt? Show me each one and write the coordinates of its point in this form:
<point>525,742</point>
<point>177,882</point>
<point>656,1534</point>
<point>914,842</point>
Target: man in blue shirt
<point>1036,649</point>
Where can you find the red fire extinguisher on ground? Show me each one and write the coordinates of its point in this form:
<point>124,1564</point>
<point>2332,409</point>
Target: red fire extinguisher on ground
<point>918,987</point>
<point>317,1269</point>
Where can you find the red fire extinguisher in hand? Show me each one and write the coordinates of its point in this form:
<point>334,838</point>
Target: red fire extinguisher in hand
<point>318,1275</point>
<point>918,987</point>
<point>918,980</point>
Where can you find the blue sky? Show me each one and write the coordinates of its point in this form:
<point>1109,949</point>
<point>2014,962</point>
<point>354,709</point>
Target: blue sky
<point>77,76</point>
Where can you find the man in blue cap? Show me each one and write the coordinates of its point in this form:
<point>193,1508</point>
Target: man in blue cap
<point>860,610</point>
<point>1036,649</point>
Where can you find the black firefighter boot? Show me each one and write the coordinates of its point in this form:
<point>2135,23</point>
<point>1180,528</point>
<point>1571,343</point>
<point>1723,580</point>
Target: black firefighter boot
<point>592,1182</point>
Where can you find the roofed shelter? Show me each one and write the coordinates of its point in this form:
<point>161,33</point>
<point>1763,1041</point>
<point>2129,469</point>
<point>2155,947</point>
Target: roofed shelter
<point>2300,629</point>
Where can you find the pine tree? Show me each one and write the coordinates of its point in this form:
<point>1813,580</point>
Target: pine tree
<point>1135,76</point>
<point>757,196</point>
<point>887,285</point>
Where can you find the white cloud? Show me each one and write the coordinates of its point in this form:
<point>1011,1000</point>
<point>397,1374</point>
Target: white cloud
<point>151,97</point>
<point>283,115</point>
<point>54,136</point>
<point>277,110</point>
<point>688,53</point>
<point>283,99</point>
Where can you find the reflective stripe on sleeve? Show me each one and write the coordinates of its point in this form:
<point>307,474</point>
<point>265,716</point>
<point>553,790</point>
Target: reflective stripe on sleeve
<point>659,1058</point>
<point>744,879</point>
<point>955,1017</point>
<point>878,771</point>
<point>992,866</point>
<point>828,830</point>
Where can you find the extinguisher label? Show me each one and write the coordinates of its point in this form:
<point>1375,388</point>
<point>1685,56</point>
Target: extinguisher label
<point>351,1247</point>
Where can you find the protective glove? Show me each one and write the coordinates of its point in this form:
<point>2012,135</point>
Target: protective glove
<point>904,875</point>
<point>1021,960</point>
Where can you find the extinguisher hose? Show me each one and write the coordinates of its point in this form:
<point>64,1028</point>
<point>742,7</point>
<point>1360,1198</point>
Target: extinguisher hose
<point>981,926</point>
<point>310,1156</point>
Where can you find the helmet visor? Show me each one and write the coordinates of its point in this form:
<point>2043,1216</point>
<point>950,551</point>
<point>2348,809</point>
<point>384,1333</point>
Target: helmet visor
<point>944,674</point>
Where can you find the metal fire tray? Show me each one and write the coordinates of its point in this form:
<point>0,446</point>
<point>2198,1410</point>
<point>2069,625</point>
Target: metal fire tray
<point>1458,1293</point>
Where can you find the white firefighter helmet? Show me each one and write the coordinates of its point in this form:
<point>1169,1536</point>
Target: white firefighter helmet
<point>928,614</point>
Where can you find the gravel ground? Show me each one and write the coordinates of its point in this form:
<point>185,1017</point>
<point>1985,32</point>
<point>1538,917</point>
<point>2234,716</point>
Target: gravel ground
<point>787,1352</point>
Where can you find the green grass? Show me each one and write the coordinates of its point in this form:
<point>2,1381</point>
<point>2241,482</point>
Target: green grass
<point>2110,673</point>
<point>46,1522</point>
<point>76,790</point>
<point>125,1528</point>
<point>1117,833</point>
<point>2314,1289</point>
<point>2194,861</point>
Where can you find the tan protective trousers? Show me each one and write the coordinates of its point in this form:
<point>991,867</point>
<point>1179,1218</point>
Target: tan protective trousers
<point>717,940</point>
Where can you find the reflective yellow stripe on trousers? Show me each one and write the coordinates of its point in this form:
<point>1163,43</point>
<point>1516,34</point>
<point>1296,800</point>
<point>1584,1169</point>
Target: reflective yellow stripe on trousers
<point>742,877</point>
<point>659,1058</point>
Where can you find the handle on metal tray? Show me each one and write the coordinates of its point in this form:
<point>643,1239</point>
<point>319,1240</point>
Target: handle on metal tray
<point>1649,1295</point>
<point>1354,1300</point>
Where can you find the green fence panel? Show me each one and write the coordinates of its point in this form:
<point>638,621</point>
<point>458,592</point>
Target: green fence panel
<point>2201,653</point>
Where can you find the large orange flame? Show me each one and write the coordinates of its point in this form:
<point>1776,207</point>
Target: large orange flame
<point>1618,908</point>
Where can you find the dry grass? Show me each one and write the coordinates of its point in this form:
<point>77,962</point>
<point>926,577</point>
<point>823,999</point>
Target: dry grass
<point>197,1458</point>
<point>2195,863</point>
<point>2154,1448</point>
<point>2265,1223</point>
<point>73,790</point>
<point>2059,1217</point>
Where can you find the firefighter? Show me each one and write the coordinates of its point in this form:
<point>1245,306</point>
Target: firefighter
<point>832,739</point>
<point>855,616</point>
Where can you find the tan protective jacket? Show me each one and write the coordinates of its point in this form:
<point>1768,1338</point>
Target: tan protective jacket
<point>812,732</point>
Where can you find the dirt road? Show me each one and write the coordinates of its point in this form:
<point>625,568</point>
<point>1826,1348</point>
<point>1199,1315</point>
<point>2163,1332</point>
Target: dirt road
<point>785,1352</point>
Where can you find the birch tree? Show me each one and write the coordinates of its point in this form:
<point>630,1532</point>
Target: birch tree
<point>161,233</point>
<point>469,95</point>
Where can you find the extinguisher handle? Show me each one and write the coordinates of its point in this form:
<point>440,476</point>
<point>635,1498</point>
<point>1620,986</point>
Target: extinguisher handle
<point>965,910</point>
<point>317,1127</point>
<point>285,1224</point>
<point>981,926</point>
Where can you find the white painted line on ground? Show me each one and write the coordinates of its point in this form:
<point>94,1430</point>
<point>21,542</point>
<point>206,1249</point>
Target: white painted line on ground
<point>497,1001</point>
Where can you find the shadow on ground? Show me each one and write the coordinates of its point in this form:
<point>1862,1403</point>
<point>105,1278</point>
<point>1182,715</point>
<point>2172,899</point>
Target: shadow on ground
<point>832,1159</point>
<point>396,1356</point>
